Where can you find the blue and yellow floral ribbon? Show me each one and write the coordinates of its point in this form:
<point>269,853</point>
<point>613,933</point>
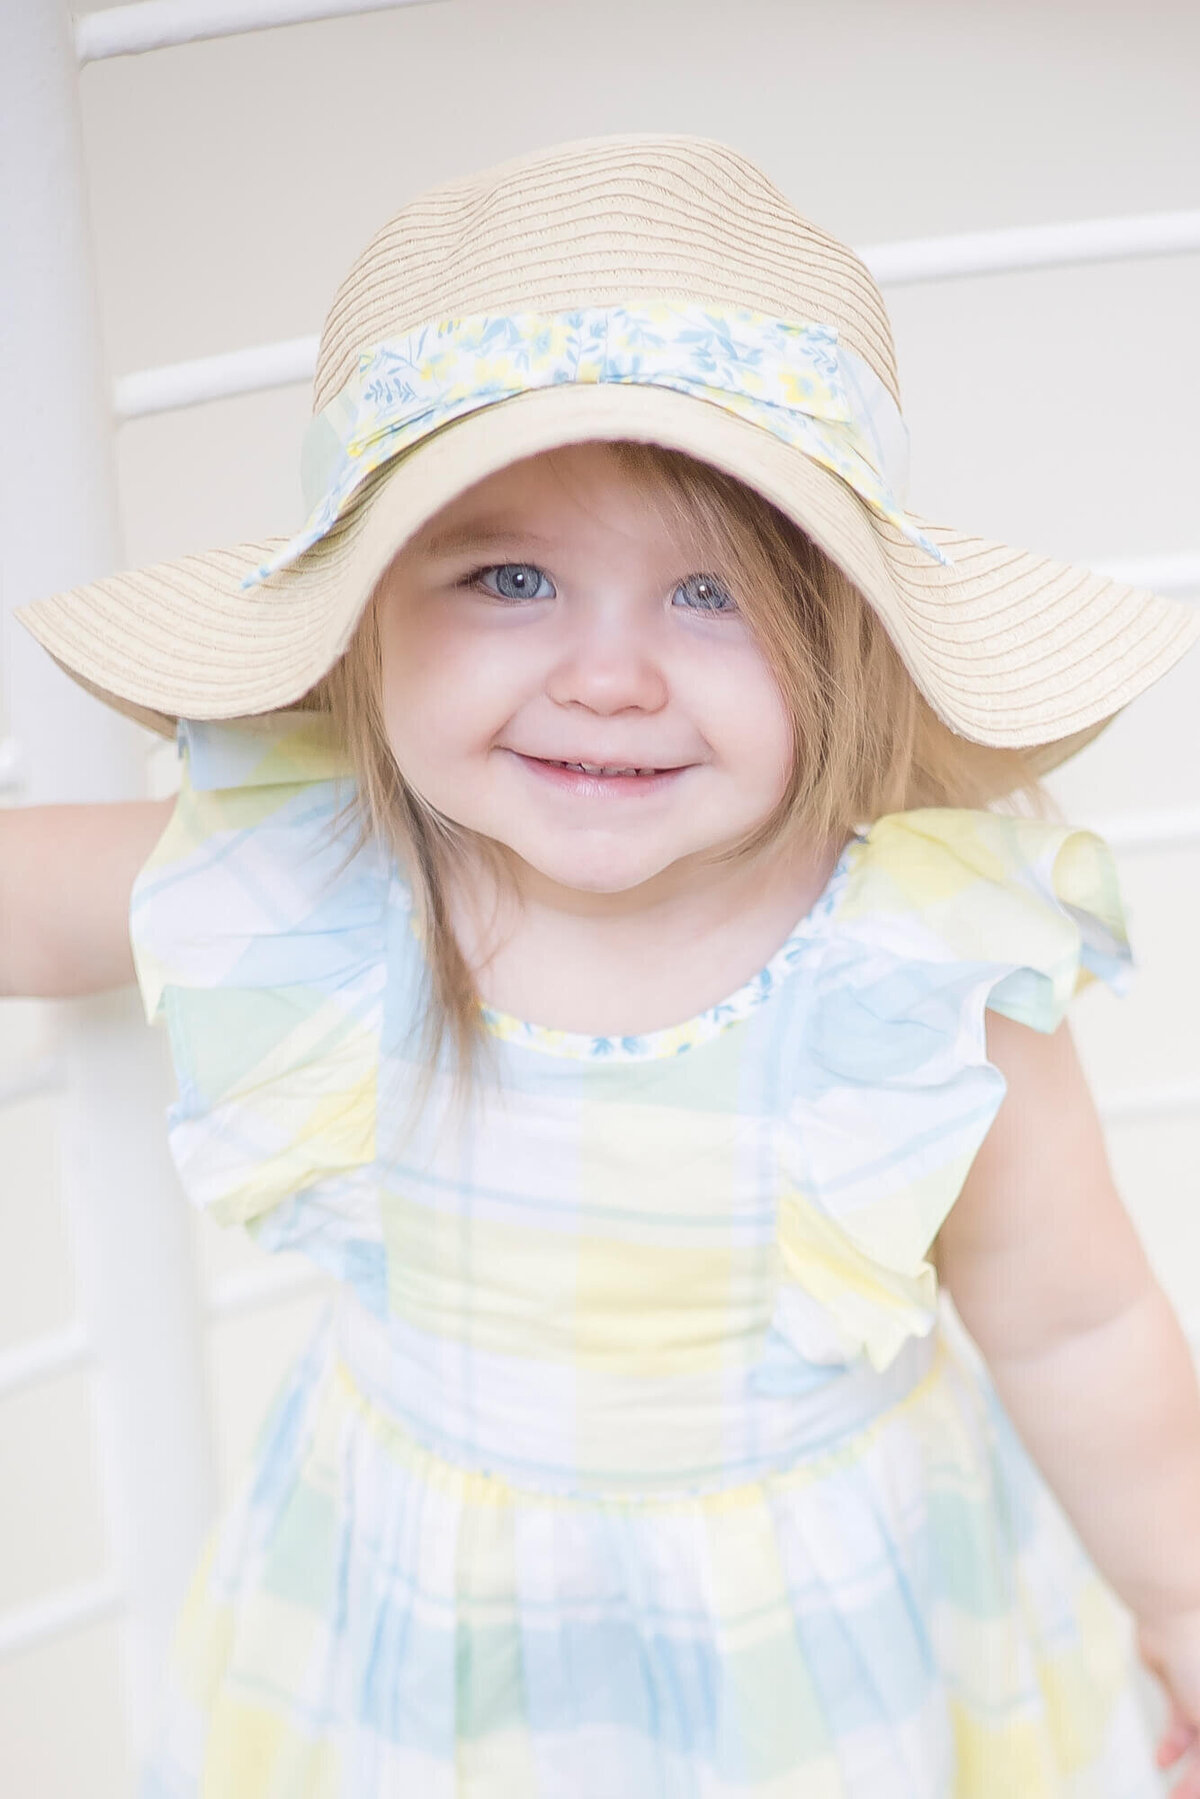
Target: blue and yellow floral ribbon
<point>794,380</point>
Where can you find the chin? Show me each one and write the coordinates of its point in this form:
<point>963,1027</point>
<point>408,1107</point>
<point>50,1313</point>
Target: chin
<point>601,872</point>
<point>598,880</point>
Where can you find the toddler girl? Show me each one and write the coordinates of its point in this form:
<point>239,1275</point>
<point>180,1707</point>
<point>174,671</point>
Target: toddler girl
<point>608,685</point>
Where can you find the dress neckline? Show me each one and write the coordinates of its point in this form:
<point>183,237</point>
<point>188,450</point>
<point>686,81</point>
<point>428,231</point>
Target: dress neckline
<point>675,1039</point>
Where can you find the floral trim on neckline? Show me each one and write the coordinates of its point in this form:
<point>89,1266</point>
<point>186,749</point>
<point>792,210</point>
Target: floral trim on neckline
<point>674,1039</point>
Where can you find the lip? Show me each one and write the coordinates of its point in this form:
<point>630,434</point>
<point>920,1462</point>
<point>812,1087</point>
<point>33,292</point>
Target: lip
<point>573,780</point>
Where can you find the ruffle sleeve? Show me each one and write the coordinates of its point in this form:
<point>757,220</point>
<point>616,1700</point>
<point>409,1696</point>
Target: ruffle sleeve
<point>258,934</point>
<point>941,915</point>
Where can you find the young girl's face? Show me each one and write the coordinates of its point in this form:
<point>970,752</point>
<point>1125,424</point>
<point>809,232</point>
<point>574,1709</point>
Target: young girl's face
<point>549,616</point>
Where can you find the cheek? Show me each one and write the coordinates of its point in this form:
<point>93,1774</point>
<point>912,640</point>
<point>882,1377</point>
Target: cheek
<point>443,690</point>
<point>412,663</point>
<point>754,721</point>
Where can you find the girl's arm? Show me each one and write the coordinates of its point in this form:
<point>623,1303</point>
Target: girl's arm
<point>1051,1280</point>
<point>66,873</point>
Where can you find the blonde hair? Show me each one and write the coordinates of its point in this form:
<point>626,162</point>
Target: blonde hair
<point>866,742</point>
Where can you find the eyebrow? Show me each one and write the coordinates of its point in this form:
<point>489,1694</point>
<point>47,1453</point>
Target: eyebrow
<point>480,534</point>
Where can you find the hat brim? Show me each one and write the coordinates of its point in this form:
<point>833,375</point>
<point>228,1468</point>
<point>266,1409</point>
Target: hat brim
<point>1008,647</point>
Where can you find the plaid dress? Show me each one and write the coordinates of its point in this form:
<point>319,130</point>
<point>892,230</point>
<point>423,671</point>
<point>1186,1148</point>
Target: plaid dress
<point>638,1456</point>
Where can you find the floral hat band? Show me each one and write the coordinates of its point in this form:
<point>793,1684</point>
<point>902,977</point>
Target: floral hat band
<point>795,380</point>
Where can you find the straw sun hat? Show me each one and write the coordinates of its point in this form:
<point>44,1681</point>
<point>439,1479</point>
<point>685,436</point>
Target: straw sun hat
<point>645,287</point>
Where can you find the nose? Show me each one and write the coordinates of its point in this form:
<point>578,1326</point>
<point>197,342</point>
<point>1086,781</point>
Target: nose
<point>608,663</point>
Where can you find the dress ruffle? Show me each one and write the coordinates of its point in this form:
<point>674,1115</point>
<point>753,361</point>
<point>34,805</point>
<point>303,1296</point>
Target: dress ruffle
<point>943,914</point>
<point>260,937</point>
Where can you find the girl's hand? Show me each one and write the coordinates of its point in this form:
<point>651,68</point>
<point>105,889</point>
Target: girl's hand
<point>1170,1648</point>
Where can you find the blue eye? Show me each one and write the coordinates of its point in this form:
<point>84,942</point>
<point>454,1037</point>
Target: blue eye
<point>705,593</point>
<point>515,581</point>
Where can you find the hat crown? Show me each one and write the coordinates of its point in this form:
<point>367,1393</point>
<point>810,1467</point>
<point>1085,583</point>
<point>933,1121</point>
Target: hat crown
<point>602,222</point>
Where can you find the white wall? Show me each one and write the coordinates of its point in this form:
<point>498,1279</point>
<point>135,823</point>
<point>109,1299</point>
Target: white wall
<point>231,185</point>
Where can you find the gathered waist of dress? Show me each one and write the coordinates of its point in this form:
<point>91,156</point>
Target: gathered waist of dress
<point>588,1432</point>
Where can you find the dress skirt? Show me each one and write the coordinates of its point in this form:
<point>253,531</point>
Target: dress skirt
<point>905,1613</point>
